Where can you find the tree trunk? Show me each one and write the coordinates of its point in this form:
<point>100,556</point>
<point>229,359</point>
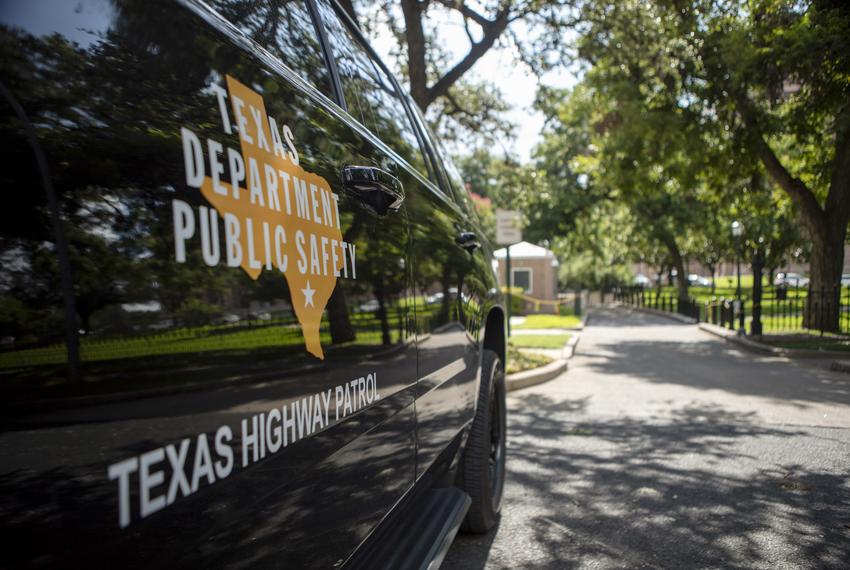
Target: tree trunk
<point>340,323</point>
<point>445,305</point>
<point>669,242</point>
<point>378,282</point>
<point>713,270</point>
<point>826,263</point>
<point>682,282</point>
<point>827,225</point>
<point>416,66</point>
<point>658,283</point>
<point>423,94</point>
<point>85,319</point>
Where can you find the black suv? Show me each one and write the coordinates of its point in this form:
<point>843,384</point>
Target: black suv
<point>247,315</point>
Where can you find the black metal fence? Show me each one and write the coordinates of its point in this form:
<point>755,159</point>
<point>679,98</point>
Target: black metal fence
<point>824,309</point>
<point>782,309</point>
<point>640,297</point>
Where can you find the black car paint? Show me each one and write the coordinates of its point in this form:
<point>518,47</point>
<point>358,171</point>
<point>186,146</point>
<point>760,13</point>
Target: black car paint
<point>106,87</point>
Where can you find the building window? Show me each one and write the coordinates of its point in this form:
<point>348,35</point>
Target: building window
<point>521,277</point>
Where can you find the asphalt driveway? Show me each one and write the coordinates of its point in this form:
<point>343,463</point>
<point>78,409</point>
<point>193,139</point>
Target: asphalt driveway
<point>663,447</point>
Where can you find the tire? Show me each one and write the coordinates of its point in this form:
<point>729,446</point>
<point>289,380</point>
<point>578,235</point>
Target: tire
<point>483,466</point>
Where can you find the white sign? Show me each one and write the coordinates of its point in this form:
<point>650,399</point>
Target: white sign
<point>508,230</point>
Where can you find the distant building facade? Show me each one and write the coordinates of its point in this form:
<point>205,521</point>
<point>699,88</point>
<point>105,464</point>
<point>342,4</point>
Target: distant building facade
<point>533,268</point>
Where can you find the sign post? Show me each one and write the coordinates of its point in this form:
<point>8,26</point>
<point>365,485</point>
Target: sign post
<point>508,231</point>
<point>509,280</point>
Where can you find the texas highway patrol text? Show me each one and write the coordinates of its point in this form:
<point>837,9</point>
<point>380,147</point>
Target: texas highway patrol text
<point>212,457</point>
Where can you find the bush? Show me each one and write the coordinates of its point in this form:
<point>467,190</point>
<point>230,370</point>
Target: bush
<point>194,313</point>
<point>517,302</point>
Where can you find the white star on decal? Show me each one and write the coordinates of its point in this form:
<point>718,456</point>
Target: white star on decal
<point>308,295</point>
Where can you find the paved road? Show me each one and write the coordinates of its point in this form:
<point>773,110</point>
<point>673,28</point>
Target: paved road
<point>663,447</point>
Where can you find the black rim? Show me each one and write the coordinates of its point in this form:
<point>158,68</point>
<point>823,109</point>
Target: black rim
<point>496,459</point>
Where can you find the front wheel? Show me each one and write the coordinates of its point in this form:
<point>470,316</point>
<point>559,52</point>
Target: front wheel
<point>484,456</point>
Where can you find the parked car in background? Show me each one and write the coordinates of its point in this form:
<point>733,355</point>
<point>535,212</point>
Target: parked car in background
<point>642,280</point>
<point>695,280</point>
<point>229,319</point>
<point>204,158</point>
<point>789,279</point>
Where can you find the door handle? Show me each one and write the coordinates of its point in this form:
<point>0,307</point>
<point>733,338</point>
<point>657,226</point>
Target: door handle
<point>468,241</point>
<point>377,189</point>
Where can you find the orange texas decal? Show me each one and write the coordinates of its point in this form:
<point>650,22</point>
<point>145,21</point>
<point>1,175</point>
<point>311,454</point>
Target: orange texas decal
<point>276,215</point>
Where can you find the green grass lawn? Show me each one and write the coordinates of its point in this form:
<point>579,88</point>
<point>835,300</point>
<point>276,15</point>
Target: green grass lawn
<point>777,316</point>
<point>549,322</point>
<point>539,340</point>
<point>190,340</point>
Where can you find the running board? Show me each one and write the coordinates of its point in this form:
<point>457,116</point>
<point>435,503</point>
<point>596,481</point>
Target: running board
<point>417,538</point>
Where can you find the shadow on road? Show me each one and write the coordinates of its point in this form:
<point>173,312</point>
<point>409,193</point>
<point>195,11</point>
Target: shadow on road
<point>623,492</point>
<point>628,317</point>
<point>712,365</point>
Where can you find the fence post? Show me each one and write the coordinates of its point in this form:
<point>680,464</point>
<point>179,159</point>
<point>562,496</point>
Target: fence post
<point>758,265</point>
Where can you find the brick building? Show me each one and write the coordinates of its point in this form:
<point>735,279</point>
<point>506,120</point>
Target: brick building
<point>533,268</point>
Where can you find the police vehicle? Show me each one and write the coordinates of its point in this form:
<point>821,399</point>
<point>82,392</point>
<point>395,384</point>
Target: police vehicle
<point>247,315</point>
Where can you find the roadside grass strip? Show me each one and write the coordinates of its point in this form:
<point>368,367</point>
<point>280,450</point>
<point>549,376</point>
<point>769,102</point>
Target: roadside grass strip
<point>549,322</point>
<point>810,342</point>
<point>539,340</point>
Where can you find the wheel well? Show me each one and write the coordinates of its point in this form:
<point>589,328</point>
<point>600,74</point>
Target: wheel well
<point>494,332</point>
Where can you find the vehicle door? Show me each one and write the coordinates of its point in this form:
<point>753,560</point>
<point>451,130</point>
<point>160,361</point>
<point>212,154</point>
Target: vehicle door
<point>452,279</point>
<point>438,264</point>
<point>206,354</point>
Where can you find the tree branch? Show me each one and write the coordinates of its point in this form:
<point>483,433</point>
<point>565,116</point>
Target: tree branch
<point>467,30</point>
<point>491,32</point>
<point>800,194</point>
<point>466,11</point>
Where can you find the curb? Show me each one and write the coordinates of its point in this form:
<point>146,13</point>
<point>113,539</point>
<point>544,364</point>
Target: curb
<point>584,320</point>
<point>673,316</point>
<point>741,341</point>
<point>762,348</point>
<point>542,374</point>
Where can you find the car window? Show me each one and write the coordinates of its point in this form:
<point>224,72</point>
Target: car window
<point>454,178</point>
<point>370,94</point>
<point>285,28</point>
<point>438,174</point>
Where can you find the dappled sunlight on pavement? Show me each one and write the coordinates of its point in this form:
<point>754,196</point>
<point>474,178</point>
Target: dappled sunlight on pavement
<point>662,448</point>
